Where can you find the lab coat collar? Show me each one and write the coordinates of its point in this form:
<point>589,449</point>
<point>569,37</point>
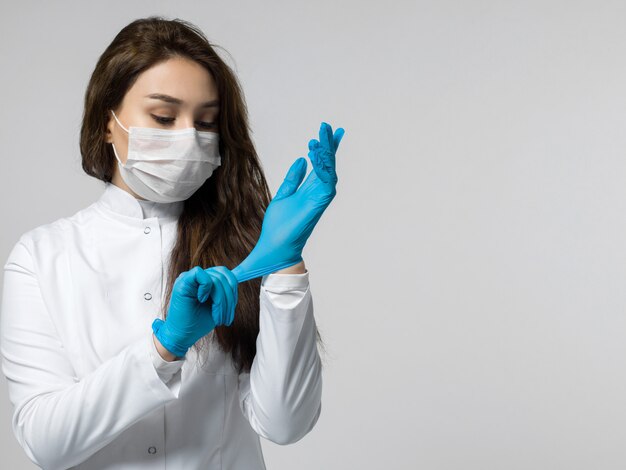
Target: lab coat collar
<point>120,201</point>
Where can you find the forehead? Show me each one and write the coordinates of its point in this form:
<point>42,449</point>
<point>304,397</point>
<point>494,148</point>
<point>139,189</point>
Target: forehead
<point>178,77</point>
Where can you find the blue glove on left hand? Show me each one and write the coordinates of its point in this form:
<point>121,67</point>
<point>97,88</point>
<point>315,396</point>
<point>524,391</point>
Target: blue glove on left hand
<point>293,213</point>
<point>201,300</point>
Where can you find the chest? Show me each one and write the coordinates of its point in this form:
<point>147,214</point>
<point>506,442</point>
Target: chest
<point>105,289</point>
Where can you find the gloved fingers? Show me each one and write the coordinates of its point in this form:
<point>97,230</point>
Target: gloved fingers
<point>232,281</point>
<point>229,304</point>
<point>326,136</point>
<point>322,153</point>
<point>188,282</point>
<point>205,287</point>
<point>328,139</point>
<point>324,164</point>
<point>338,136</point>
<point>218,297</point>
<point>314,175</point>
<point>292,180</point>
<point>225,287</point>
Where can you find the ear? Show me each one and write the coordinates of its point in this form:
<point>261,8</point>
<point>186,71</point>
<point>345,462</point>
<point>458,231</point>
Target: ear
<point>108,133</point>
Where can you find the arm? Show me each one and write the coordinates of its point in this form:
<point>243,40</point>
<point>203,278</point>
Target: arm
<point>163,353</point>
<point>59,419</point>
<point>281,396</point>
<point>299,268</point>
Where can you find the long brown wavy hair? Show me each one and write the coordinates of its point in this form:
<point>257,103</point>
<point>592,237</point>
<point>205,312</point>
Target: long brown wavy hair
<point>221,222</point>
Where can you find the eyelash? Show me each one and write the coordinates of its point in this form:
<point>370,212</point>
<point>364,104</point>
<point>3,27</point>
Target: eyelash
<point>166,121</point>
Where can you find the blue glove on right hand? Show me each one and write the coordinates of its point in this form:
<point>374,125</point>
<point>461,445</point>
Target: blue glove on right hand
<point>189,315</point>
<point>295,209</point>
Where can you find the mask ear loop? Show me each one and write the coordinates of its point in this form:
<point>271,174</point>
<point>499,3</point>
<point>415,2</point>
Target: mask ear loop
<point>112,144</point>
<point>118,121</point>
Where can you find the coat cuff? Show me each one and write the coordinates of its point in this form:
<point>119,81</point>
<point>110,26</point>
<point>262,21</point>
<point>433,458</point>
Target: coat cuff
<point>164,369</point>
<point>285,291</point>
<point>285,282</point>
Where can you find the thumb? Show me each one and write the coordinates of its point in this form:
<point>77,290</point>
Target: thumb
<point>205,286</point>
<point>293,179</point>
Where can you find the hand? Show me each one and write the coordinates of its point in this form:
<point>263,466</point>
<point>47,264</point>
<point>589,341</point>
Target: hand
<point>189,315</point>
<point>293,213</point>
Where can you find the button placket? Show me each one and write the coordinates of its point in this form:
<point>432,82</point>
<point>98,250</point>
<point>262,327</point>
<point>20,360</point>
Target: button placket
<point>147,296</point>
<point>154,243</point>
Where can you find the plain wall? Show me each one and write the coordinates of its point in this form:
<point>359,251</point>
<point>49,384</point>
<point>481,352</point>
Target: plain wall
<point>469,277</point>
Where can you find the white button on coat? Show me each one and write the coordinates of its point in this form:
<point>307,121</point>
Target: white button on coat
<point>88,386</point>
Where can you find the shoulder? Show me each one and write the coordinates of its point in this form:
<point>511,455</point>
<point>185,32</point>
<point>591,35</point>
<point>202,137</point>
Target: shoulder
<point>51,238</point>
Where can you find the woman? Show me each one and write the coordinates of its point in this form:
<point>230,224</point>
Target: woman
<point>184,230</point>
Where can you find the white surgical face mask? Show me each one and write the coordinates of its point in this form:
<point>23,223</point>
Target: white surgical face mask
<point>165,165</point>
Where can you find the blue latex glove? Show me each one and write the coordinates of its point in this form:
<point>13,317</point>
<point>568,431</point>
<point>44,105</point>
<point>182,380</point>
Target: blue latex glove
<point>189,315</point>
<point>292,214</point>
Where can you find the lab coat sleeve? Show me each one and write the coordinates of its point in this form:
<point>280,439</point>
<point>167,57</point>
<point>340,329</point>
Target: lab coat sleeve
<point>59,419</point>
<point>281,395</point>
<point>167,370</point>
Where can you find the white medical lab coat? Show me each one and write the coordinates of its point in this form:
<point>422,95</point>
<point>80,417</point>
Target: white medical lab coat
<point>90,390</point>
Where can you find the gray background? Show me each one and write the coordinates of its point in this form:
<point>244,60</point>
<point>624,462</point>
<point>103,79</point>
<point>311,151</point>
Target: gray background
<point>469,276</point>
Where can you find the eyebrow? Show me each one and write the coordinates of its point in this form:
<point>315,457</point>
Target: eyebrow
<point>171,99</point>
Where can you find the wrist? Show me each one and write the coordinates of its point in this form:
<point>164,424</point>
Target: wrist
<point>163,352</point>
<point>295,269</point>
<point>162,342</point>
